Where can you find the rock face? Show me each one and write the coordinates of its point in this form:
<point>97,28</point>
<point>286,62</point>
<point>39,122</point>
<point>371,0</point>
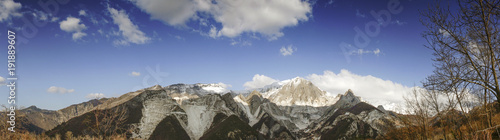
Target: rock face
<point>290,109</point>
<point>231,127</point>
<point>347,100</point>
<point>169,128</point>
<point>359,121</point>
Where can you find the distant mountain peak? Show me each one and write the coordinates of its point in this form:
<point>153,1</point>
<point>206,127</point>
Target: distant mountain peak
<point>302,92</point>
<point>349,93</point>
<point>155,87</point>
<point>297,81</point>
<point>33,108</point>
<point>348,99</point>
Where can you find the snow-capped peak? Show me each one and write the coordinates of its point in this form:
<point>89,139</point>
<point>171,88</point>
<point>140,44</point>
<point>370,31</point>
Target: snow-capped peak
<point>299,91</point>
<point>297,81</point>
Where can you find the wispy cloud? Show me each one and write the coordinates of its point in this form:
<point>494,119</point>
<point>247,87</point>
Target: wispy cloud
<point>330,2</point>
<point>95,96</point>
<point>2,81</point>
<point>363,51</point>
<point>134,73</point>
<point>82,13</point>
<point>179,37</point>
<point>400,23</point>
<point>240,42</point>
<point>285,51</point>
<point>61,90</point>
<point>129,31</point>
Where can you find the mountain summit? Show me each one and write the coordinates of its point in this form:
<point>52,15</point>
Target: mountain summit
<point>301,92</point>
<point>347,100</point>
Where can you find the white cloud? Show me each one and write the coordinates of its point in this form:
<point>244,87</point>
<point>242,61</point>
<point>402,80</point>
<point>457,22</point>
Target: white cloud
<point>82,13</point>
<point>225,86</point>
<point>240,42</point>
<point>95,96</point>
<point>376,51</point>
<point>129,31</point>
<point>213,32</point>
<point>267,17</point>
<point>9,8</point>
<point>259,81</point>
<point>135,73</point>
<point>39,15</point>
<point>173,12</point>
<point>363,51</point>
<point>179,37</point>
<point>2,81</point>
<point>72,25</point>
<point>42,16</point>
<point>78,35</point>
<point>54,19</point>
<point>372,89</point>
<point>61,90</point>
<point>287,50</point>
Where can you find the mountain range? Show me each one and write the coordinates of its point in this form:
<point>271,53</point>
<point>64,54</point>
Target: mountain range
<point>290,109</point>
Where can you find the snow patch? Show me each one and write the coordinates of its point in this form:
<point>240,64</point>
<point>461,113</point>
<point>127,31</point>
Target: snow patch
<point>216,88</point>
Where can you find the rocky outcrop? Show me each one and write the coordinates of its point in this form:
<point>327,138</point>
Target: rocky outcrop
<point>347,100</point>
<point>359,121</point>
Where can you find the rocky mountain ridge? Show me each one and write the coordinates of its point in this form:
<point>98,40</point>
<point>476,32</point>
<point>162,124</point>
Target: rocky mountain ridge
<point>293,109</point>
<point>44,120</point>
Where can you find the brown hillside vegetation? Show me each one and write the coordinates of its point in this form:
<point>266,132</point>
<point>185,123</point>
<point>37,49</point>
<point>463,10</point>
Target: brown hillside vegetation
<point>451,124</point>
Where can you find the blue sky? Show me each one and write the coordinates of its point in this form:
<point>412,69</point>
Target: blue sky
<point>113,47</point>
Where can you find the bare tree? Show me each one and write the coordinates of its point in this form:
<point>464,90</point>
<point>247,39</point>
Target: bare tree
<point>107,122</point>
<point>466,45</point>
<point>417,105</point>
